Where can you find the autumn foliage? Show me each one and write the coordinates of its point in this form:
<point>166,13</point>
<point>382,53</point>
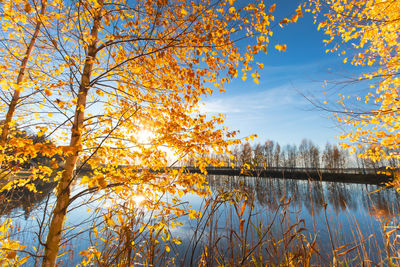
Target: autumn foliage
<point>114,87</point>
<point>366,33</point>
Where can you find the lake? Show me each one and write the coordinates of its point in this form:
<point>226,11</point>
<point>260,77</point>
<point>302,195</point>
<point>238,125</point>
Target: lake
<point>268,219</point>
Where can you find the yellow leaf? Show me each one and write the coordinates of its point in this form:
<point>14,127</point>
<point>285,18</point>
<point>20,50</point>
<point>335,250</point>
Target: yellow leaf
<point>284,21</point>
<point>27,7</point>
<point>272,8</point>
<point>99,92</point>
<point>4,84</point>
<point>183,12</point>
<point>110,222</point>
<point>242,209</point>
<point>11,254</point>
<point>48,92</point>
<point>280,47</point>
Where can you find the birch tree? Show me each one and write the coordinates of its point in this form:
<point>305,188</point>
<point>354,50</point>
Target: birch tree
<point>122,94</point>
<point>366,34</point>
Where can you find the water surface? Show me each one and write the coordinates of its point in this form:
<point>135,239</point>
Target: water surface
<point>335,214</point>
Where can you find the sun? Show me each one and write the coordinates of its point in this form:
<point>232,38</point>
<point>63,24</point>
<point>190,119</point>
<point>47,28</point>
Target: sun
<point>144,136</point>
<point>137,200</point>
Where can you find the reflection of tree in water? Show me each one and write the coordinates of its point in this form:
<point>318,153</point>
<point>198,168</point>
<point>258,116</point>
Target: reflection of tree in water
<point>339,197</point>
<point>381,203</point>
<point>313,197</point>
<point>261,192</point>
<point>24,199</point>
<point>277,185</point>
<point>267,193</point>
<point>294,189</point>
<point>311,194</point>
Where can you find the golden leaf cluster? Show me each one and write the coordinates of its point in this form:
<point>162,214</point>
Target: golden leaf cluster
<point>368,31</point>
<point>91,77</point>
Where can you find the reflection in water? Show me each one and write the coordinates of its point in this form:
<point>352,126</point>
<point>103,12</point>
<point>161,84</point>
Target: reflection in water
<point>313,194</point>
<point>349,211</point>
<point>314,197</point>
<point>22,198</point>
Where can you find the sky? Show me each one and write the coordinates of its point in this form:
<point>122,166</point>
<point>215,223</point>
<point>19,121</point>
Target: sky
<point>276,109</point>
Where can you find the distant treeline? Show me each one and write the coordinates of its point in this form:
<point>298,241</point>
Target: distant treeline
<point>306,155</point>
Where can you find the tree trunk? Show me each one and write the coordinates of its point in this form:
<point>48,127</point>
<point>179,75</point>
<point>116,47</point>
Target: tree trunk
<point>64,186</point>
<point>21,74</point>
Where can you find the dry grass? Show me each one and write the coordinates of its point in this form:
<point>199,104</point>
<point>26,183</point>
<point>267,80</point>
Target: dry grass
<point>233,231</point>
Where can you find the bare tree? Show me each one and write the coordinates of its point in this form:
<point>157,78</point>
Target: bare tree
<point>269,153</point>
<point>277,153</point>
<point>333,158</point>
<point>246,154</point>
<point>291,156</point>
<point>258,155</point>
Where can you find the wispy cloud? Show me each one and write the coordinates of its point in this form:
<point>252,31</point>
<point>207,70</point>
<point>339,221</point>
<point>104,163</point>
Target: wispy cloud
<point>249,102</point>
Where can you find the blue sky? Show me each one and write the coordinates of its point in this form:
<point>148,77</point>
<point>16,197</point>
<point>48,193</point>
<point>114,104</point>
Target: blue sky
<point>274,109</point>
